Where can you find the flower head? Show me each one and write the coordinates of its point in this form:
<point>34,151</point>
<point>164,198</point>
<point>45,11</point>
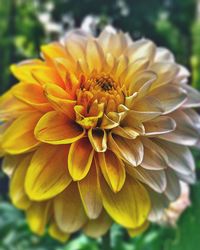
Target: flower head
<point>97,131</point>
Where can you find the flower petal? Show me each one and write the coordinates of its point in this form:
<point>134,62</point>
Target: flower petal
<point>80,166</point>
<point>159,125</point>
<point>19,137</point>
<point>165,72</point>
<point>187,131</point>
<point>155,157</point>
<point>130,206</point>
<point>10,162</point>
<point>56,233</point>
<point>173,188</point>
<point>131,151</point>
<point>193,97</point>
<point>22,71</point>
<point>90,193</point>
<point>180,160</point>
<point>94,55</point>
<point>56,128</point>
<point>33,95</point>
<point>170,96</point>
<point>37,216</point>
<point>98,139</point>
<point>47,174</point>
<point>16,188</point>
<point>113,170</point>
<point>142,48</point>
<point>68,209</point>
<point>60,100</point>
<point>98,227</point>
<point>139,230</point>
<point>11,107</point>
<point>155,179</point>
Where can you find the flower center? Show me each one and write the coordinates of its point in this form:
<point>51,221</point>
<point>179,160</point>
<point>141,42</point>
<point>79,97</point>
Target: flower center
<point>101,89</point>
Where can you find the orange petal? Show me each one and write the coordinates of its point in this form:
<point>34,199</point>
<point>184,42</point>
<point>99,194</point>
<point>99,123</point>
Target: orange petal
<point>68,209</point>
<point>90,193</point>
<point>11,107</point>
<point>59,99</point>
<point>80,158</point>
<point>33,95</point>
<point>113,170</point>
<point>56,128</point>
<point>23,70</point>
<point>48,173</point>
<point>47,75</point>
<point>19,137</point>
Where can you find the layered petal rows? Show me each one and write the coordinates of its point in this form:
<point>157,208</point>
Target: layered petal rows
<point>96,132</point>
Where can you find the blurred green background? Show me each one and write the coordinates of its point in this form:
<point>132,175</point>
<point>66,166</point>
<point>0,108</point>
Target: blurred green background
<point>26,24</point>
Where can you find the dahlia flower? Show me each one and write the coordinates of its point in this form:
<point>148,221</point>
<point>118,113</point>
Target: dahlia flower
<point>97,131</point>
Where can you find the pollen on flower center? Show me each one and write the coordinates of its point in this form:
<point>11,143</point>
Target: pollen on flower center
<point>102,89</point>
<point>105,83</point>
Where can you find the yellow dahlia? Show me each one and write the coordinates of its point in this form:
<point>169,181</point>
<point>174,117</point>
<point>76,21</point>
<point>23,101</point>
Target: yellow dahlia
<point>96,132</point>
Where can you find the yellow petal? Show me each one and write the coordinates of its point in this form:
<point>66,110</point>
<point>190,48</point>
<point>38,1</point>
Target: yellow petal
<point>98,227</point>
<point>90,193</point>
<point>22,71</point>
<point>98,139</point>
<point>129,207</point>
<point>75,47</point>
<point>19,137</point>
<point>56,128</point>
<point>52,51</point>
<point>139,230</point>
<point>68,209</point>
<point>57,234</point>
<point>11,107</point>
<point>80,158</point>
<point>86,122</point>
<point>48,173</point>
<point>94,55</point>
<point>47,75</point>
<point>16,188</point>
<point>10,162</point>
<point>37,216</point>
<point>59,99</point>
<point>33,95</point>
<point>113,170</point>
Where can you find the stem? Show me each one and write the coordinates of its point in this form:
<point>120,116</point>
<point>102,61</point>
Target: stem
<point>106,243</point>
